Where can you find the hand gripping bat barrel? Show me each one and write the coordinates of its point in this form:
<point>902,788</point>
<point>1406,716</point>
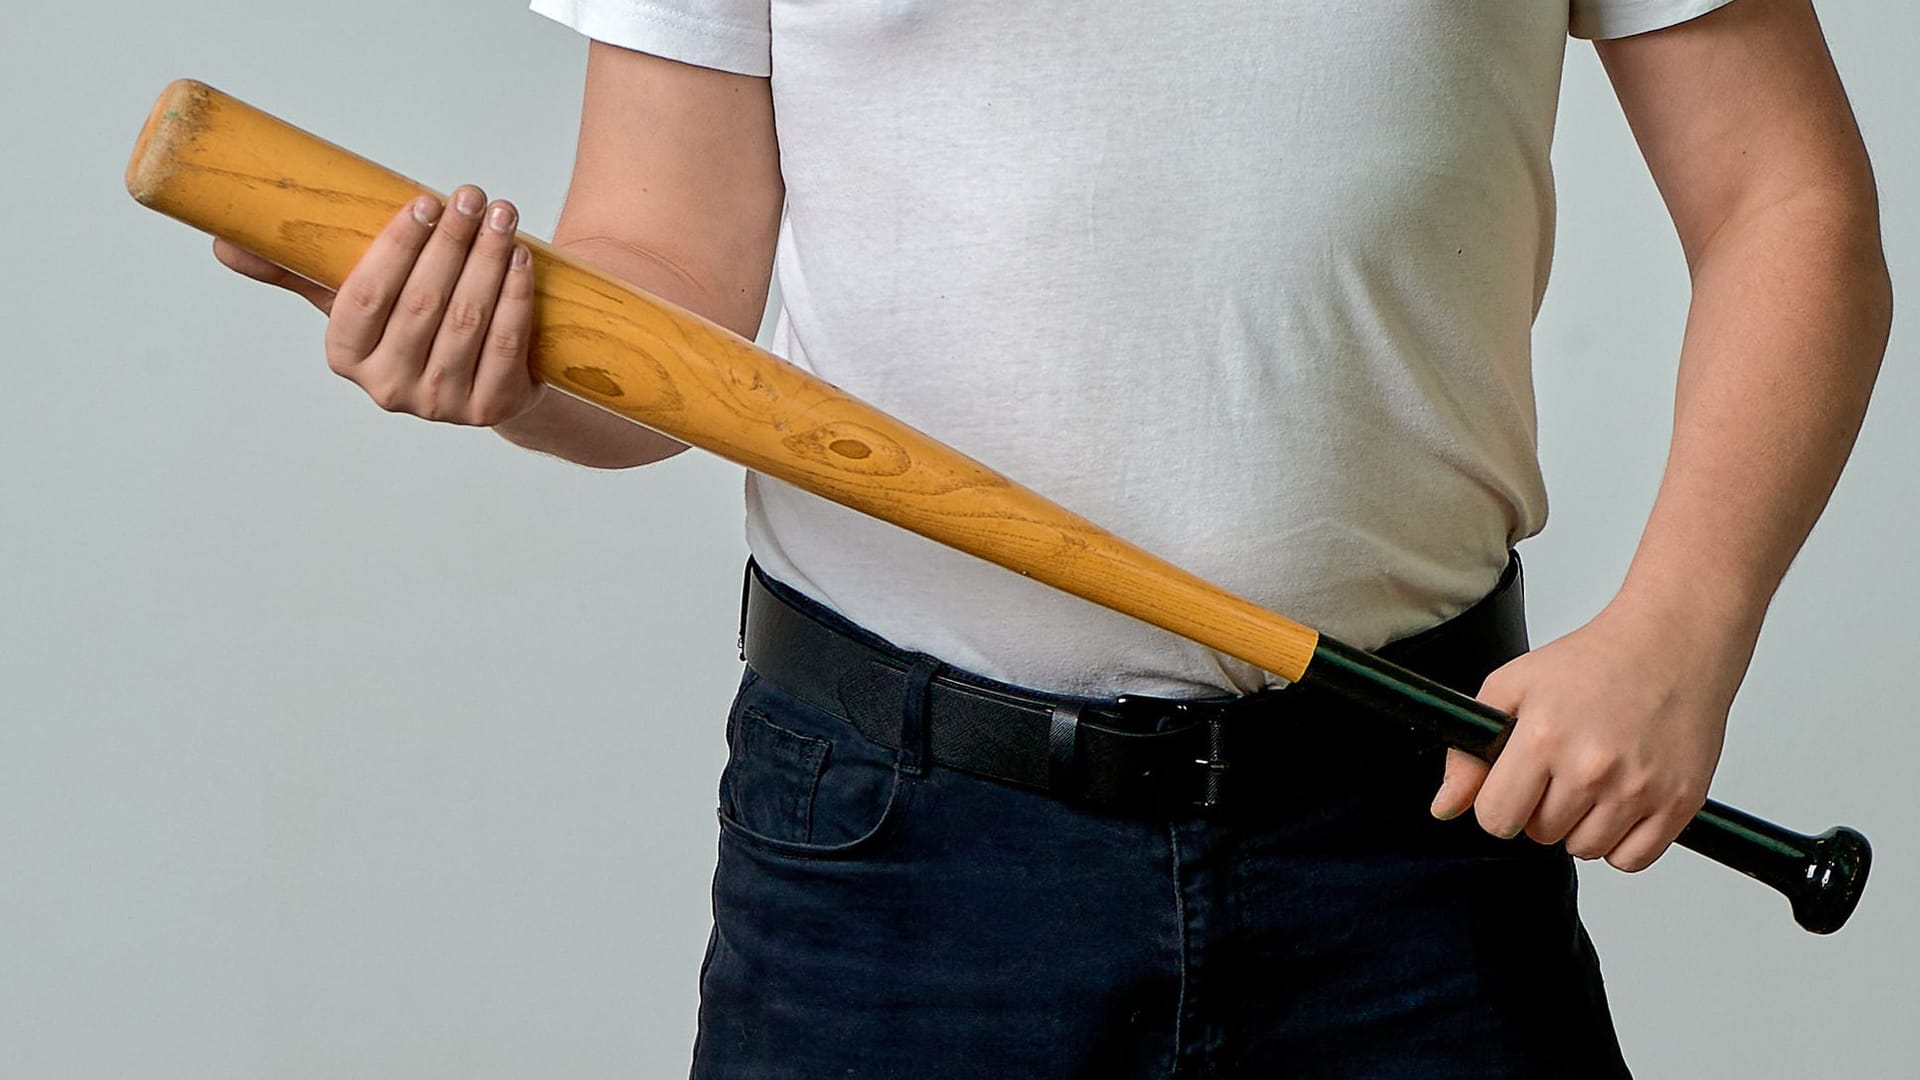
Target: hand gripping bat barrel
<point>229,169</point>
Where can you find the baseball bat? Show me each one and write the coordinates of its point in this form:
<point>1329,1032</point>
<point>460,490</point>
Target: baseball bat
<point>229,169</point>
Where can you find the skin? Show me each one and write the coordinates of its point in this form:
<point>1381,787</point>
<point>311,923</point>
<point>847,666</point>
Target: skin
<point>1749,136</point>
<point>1745,127</point>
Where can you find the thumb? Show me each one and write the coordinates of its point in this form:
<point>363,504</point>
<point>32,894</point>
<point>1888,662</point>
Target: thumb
<point>1460,786</point>
<point>240,260</point>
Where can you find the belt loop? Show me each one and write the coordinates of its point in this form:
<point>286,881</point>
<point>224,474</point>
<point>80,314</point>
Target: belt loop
<point>914,725</point>
<point>1063,751</point>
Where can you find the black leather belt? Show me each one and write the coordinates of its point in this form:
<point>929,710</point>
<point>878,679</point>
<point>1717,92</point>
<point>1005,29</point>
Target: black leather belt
<point>1132,752</point>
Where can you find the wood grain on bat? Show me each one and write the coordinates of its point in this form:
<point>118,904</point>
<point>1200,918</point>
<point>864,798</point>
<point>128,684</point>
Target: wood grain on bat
<point>229,169</point>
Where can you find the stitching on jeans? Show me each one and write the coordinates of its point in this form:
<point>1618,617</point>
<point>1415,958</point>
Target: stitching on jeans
<point>1180,922</point>
<point>898,798</point>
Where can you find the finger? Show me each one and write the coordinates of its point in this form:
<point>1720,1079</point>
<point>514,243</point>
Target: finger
<point>1563,805</point>
<point>456,345</point>
<point>503,385</point>
<point>239,259</point>
<point>416,314</point>
<point>1458,787</point>
<point>1511,792</point>
<point>1645,842</point>
<point>1600,831</point>
<point>367,295</point>
<point>1498,690</point>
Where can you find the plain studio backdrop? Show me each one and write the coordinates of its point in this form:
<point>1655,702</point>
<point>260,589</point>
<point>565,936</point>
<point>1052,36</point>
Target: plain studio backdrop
<point>338,744</point>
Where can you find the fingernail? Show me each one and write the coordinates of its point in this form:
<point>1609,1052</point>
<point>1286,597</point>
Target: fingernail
<point>501,219</point>
<point>468,202</point>
<point>426,209</point>
<point>1445,813</point>
<point>521,257</point>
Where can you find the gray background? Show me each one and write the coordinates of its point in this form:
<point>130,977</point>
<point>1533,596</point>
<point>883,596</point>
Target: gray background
<point>340,744</point>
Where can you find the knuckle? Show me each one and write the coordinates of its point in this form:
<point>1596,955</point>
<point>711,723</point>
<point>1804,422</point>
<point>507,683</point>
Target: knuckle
<point>1592,771</point>
<point>490,413</point>
<point>464,317</point>
<point>361,297</point>
<point>1629,864</point>
<point>1585,850</point>
<point>340,360</point>
<point>1636,788</point>
<point>419,303</point>
<point>1497,823</point>
<point>387,397</point>
<point>1539,729</point>
<point>507,340</point>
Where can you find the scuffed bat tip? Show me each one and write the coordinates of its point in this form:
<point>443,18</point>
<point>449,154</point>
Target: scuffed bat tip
<point>178,115</point>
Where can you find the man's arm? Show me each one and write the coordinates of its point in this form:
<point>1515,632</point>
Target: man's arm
<point>676,189</point>
<point>1747,132</point>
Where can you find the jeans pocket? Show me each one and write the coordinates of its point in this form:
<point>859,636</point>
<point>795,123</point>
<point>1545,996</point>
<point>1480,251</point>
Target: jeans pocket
<point>803,782</point>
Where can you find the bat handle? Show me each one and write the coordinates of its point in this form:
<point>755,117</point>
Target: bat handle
<point>1822,876</point>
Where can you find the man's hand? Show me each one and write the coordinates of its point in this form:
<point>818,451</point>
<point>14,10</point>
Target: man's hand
<point>1619,728</point>
<point>676,188</point>
<point>435,318</point>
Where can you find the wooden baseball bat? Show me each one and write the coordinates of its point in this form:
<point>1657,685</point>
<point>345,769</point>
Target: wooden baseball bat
<point>229,169</point>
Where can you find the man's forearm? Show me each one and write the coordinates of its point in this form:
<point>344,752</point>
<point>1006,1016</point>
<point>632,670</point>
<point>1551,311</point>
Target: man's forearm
<point>1789,320</point>
<point>569,428</point>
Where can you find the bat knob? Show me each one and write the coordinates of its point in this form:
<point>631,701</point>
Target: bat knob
<point>1835,877</point>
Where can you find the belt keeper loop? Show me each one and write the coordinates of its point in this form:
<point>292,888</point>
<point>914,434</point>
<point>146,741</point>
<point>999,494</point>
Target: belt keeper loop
<point>1215,763</point>
<point>915,729</point>
<point>1063,750</point>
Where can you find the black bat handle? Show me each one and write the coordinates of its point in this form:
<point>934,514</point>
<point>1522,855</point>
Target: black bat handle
<point>1823,876</point>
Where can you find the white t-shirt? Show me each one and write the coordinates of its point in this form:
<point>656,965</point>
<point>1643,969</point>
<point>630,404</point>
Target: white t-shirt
<point>1248,282</point>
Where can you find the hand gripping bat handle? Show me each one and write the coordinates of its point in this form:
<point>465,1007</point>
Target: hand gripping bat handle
<point>1822,876</point>
<point>229,169</point>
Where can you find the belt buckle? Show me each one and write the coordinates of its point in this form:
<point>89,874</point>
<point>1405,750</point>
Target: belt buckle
<point>1199,781</point>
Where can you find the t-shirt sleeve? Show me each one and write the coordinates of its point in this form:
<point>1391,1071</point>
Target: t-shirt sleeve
<point>1621,18</point>
<point>731,35</point>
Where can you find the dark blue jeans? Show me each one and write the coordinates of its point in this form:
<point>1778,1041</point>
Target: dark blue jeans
<point>876,917</point>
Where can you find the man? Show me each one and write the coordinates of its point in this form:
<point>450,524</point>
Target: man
<point>1250,284</point>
